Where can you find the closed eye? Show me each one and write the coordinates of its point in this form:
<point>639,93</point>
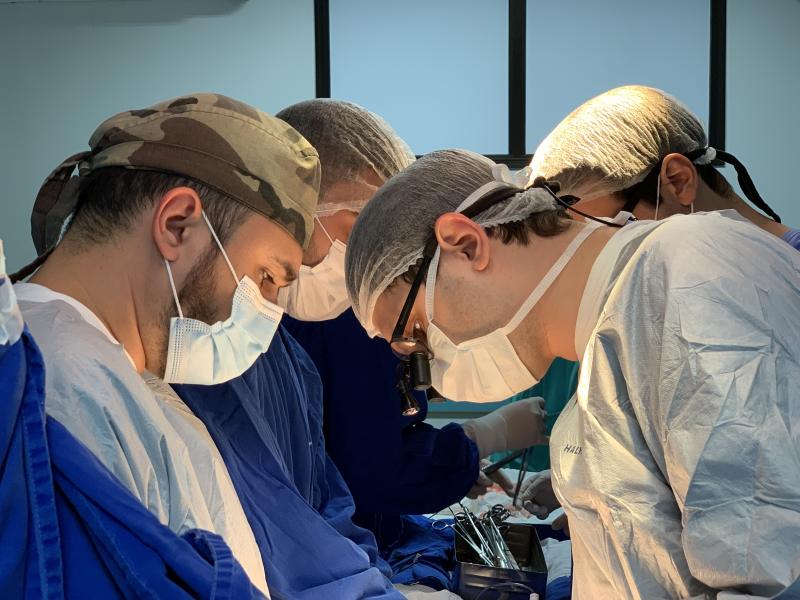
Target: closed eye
<point>266,276</point>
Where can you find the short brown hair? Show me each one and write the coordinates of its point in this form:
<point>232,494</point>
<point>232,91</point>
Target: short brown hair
<point>110,199</point>
<point>546,223</point>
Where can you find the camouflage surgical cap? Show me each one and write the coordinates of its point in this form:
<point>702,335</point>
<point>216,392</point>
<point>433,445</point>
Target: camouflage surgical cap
<point>251,157</point>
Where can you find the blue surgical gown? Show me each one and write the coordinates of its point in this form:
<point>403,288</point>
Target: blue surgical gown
<point>394,465</point>
<point>267,425</point>
<point>69,529</point>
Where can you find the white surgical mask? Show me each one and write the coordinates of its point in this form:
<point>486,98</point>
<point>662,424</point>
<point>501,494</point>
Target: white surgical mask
<point>487,368</point>
<point>206,354</point>
<point>320,292</point>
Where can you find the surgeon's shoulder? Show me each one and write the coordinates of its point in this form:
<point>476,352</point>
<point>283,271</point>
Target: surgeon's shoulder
<point>699,239</point>
<point>77,356</point>
<point>724,256</point>
<point>60,330</point>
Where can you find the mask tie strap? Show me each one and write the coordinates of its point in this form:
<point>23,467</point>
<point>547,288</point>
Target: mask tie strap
<point>709,154</point>
<point>549,277</point>
<point>221,249</point>
<point>172,285</point>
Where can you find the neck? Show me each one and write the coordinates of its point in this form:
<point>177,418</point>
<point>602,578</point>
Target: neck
<point>552,321</point>
<point>87,276</point>
<point>714,201</point>
<point>762,221</point>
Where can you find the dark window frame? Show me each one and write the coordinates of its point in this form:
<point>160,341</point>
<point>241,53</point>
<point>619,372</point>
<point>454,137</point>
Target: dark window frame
<point>517,85</point>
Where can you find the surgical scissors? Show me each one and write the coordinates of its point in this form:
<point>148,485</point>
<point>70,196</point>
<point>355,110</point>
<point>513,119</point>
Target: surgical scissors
<point>484,535</point>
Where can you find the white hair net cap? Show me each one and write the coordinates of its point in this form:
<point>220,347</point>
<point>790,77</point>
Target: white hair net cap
<point>349,139</point>
<point>390,234</point>
<point>611,142</point>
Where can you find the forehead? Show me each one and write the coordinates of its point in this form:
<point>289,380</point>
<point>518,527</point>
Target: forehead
<point>351,190</point>
<point>259,238</point>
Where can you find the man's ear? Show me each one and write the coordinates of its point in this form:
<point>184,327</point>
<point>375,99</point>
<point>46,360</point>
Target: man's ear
<point>679,179</point>
<point>462,236</point>
<point>177,219</point>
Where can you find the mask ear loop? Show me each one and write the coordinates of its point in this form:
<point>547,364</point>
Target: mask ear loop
<point>325,231</point>
<point>172,285</point>
<point>221,249</point>
<point>658,195</point>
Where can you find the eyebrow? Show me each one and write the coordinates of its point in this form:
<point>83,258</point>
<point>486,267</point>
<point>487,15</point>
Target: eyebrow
<point>289,272</point>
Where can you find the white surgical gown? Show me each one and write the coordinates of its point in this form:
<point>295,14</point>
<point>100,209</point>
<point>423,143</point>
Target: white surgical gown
<point>678,459</point>
<point>155,446</point>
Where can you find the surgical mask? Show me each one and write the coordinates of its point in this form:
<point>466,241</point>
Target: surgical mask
<point>320,292</point>
<point>206,354</point>
<point>487,368</point>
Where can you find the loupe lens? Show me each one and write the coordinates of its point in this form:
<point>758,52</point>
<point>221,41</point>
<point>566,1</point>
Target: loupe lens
<point>408,405</point>
<point>420,370</point>
<point>403,348</point>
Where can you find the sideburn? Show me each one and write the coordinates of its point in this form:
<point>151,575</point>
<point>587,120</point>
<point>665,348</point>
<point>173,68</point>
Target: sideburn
<point>198,292</point>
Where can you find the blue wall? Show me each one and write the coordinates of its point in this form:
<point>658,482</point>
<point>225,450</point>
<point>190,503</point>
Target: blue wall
<point>66,66</point>
<point>436,69</point>
<point>577,49</point>
<point>763,118</point>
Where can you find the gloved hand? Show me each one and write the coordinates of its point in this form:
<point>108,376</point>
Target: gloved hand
<point>537,496</point>
<point>511,427</point>
<point>484,482</point>
<point>561,523</point>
